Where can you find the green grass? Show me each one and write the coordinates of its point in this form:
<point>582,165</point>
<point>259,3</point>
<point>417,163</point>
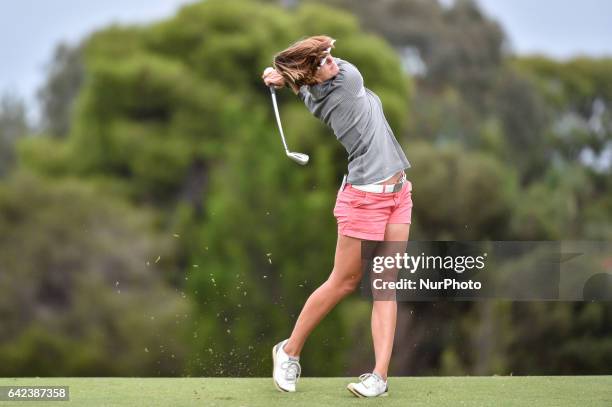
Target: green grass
<point>495,391</point>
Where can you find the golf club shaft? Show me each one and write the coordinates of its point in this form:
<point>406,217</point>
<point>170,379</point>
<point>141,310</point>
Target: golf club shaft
<point>278,120</point>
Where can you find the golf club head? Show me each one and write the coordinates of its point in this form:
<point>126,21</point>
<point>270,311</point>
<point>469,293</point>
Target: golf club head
<point>299,158</point>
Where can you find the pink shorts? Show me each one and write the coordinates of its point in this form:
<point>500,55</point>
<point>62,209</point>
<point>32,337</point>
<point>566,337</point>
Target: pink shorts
<point>365,215</point>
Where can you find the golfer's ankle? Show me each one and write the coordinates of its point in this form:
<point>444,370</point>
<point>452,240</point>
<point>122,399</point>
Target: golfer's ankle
<point>291,350</point>
<point>381,373</point>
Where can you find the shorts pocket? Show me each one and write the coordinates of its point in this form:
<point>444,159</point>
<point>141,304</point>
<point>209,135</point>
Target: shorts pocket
<point>359,200</point>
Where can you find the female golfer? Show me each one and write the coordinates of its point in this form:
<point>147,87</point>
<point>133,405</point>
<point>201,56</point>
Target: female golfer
<point>374,201</point>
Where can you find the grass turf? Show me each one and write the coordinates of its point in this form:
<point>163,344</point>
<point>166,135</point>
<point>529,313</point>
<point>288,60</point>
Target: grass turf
<point>521,391</point>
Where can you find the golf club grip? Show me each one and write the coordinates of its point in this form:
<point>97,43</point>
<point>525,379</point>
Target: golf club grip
<point>278,120</point>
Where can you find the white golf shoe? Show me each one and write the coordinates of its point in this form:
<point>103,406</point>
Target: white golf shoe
<point>287,368</point>
<point>370,385</point>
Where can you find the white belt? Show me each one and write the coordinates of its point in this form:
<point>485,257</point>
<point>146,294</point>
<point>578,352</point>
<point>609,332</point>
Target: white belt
<point>381,188</point>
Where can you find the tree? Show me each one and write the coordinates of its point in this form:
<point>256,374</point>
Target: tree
<point>64,80</point>
<point>13,125</point>
<point>82,291</point>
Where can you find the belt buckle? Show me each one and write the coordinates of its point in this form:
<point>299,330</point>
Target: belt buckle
<point>398,187</point>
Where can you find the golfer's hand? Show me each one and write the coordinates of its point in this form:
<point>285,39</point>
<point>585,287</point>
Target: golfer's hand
<point>271,77</point>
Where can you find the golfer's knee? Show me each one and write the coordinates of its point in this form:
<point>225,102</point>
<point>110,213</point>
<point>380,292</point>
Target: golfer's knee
<point>346,285</point>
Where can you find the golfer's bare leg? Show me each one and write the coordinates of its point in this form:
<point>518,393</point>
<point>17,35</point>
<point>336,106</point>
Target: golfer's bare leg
<point>384,313</point>
<point>344,279</point>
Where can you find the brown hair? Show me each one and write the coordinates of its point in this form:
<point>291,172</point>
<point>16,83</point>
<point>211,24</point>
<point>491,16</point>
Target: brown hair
<point>298,64</point>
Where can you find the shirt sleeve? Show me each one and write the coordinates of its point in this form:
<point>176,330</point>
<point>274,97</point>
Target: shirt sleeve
<point>348,78</point>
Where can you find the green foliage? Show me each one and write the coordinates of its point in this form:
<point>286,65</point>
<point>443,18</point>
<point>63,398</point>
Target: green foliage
<point>459,194</point>
<point>45,155</point>
<point>82,273</point>
<point>459,45</point>
<point>13,126</point>
<point>577,81</point>
<point>579,92</point>
<point>573,333</point>
<point>64,80</point>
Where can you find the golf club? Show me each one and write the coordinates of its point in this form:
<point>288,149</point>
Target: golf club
<point>299,158</point>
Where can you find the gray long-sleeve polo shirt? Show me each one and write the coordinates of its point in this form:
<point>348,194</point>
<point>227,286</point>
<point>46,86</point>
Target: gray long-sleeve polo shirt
<point>356,116</point>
